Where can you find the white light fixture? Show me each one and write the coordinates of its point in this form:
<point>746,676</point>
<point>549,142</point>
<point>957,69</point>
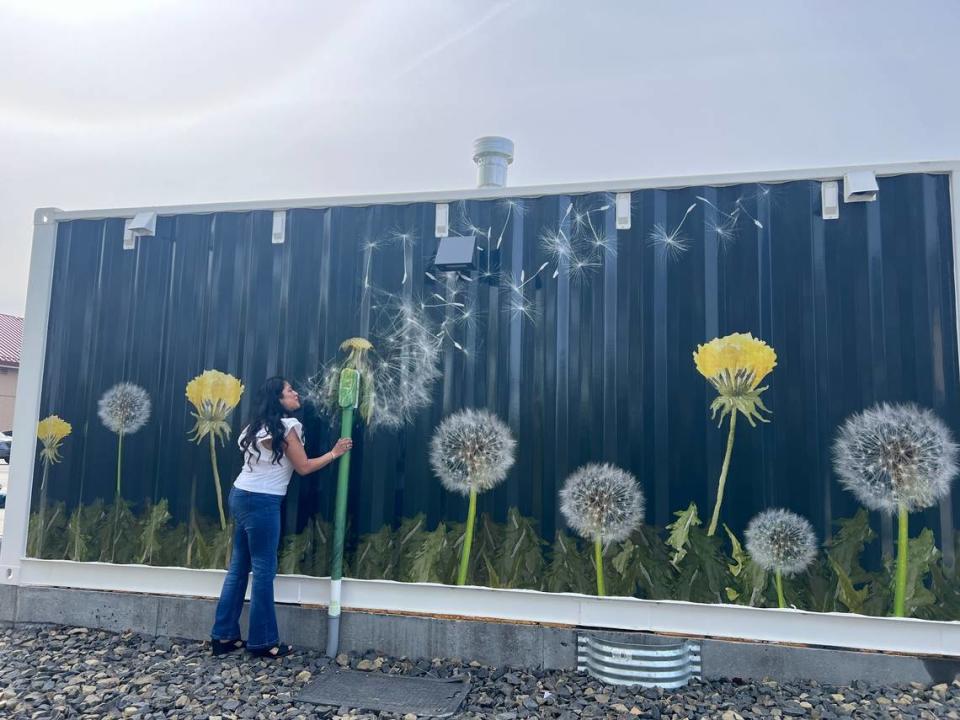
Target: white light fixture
<point>279,226</point>
<point>442,225</point>
<point>456,253</point>
<point>830,200</point>
<point>860,186</point>
<point>142,224</point>
<point>623,211</point>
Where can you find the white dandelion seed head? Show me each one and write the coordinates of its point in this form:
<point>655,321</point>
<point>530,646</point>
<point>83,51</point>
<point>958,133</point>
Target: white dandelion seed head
<point>124,408</point>
<point>778,539</point>
<point>407,366</point>
<point>404,368</point>
<point>890,455</point>
<point>602,502</point>
<point>671,244</point>
<point>472,450</point>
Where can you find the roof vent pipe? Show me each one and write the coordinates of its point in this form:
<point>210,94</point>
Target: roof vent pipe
<point>492,155</point>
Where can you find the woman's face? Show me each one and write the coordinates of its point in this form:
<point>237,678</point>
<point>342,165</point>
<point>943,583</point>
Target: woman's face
<point>289,398</point>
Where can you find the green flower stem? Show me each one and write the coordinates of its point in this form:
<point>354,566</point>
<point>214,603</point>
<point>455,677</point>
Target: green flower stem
<point>41,525</point>
<point>119,456</point>
<point>779,578</point>
<point>340,509</point>
<point>723,475</point>
<point>467,539</point>
<point>900,594</point>
<point>216,481</point>
<point>115,537</point>
<point>598,561</point>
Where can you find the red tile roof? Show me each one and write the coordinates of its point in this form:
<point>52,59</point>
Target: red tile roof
<point>11,336</point>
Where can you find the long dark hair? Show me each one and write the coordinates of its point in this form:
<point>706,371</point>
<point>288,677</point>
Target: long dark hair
<point>267,412</point>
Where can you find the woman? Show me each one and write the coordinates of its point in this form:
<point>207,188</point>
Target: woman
<point>272,445</point>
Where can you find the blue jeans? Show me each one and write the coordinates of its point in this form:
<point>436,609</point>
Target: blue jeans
<point>256,537</point>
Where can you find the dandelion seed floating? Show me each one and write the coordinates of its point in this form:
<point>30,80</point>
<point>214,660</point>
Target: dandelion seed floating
<point>124,409</point>
<point>214,395</point>
<point>781,542</point>
<point>471,452</point>
<point>735,365</point>
<point>604,504</point>
<point>50,431</point>
<point>896,458</point>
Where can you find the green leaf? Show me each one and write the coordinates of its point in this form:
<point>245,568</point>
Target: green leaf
<point>151,540</point>
<point>487,541</point>
<point>923,555</point>
<point>848,543</point>
<point>570,568</point>
<point>656,574</point>
<point>374,557</point>
<point>946,590</point>
<point>293,551</point>
<point>118,534</point>
<point>820,586</point>
<point>430,562</point>
<point>55,534</point>
<point>750,581</point>
<point>519,557</point>
<point>847,594</point>
<point>680,532</point>
<point>409,535</point>
<point>493,579</point>
<point>705,573</point>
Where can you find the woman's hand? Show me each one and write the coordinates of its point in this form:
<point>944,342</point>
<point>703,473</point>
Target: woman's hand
<point>342,446</point>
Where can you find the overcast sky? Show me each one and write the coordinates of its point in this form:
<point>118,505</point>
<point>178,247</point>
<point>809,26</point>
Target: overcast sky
<point>110,104</point>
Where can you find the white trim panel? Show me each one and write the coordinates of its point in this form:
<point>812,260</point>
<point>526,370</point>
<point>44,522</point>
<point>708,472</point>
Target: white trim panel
<point>448,196</point>
<point>736,622</point>
<point>29,387</point>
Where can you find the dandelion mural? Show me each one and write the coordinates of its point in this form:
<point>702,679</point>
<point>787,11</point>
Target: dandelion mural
<point>896,459</point>
<point>781,542</point>
<point>735,365</point>
<point>51,432</point>
<point>214,395</point>
<point>397,382</point>
<point>604,504</point>
<point>471,452</point>
<point>123,409</point>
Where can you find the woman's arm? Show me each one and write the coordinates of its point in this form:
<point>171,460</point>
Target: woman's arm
<point>304,465</point>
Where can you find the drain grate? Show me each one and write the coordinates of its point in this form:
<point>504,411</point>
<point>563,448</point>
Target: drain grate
<point>647,660</point>
<point>424,697</point>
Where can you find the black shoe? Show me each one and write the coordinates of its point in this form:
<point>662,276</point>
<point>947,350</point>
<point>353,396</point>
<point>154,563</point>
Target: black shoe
<point>222,647</point>
<point>276,651</point>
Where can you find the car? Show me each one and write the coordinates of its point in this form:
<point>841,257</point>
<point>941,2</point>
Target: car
<point>5,441</point>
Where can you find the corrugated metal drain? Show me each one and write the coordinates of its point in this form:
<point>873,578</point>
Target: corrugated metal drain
<point>638,659</point>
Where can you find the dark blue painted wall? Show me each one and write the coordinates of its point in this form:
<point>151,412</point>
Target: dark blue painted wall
<point>860,309</point>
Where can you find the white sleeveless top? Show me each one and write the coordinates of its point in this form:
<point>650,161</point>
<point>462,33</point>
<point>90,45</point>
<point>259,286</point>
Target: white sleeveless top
<point>262,475</point>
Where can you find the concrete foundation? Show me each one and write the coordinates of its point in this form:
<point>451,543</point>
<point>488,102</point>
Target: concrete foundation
<point>488,642</point>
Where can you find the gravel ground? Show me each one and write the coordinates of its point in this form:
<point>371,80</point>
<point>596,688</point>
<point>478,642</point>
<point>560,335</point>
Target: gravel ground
<point>78,673</point>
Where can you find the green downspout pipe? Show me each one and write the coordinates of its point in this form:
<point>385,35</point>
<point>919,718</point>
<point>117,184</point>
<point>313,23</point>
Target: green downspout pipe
<point>349,396</point>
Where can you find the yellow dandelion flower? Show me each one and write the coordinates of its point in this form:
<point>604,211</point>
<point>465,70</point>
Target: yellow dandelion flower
<point>736,355</point>
<point>214,394</point>
<point>51,431</point>
<point>356,343</point>
<point>735,365</point>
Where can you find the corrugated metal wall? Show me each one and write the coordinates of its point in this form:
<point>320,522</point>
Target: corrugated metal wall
<point>859,310</point>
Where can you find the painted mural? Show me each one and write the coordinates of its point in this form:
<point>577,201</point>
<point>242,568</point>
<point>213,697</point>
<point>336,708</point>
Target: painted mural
<point>731,401</point>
